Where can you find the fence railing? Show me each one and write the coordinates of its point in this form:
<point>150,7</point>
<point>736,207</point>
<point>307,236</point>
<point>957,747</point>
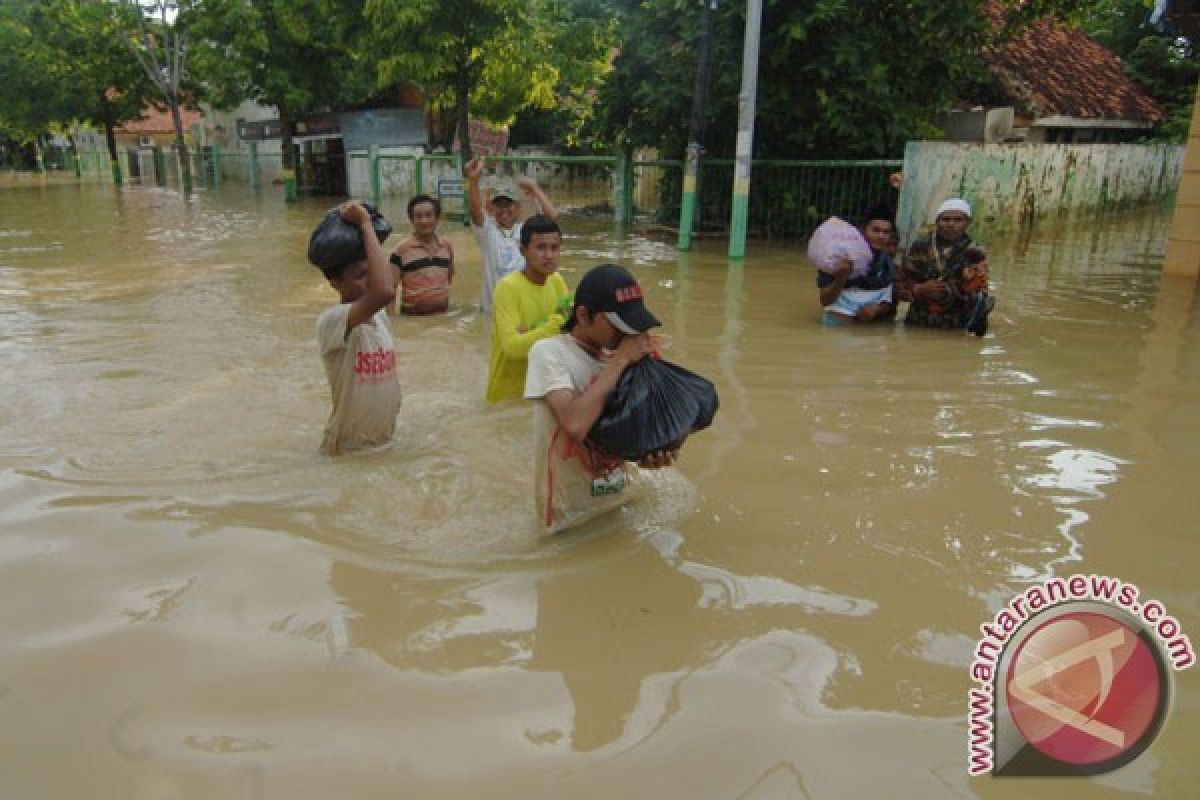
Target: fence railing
<point>788,198</point>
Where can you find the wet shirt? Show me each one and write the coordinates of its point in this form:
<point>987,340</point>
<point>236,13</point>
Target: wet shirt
<point>365,389</point>
<point>879,275</point>
<point>501,251</point>
<point>572,483</point>
<point>425,274</point>
<point>522,314</point>
<point>928,260</point>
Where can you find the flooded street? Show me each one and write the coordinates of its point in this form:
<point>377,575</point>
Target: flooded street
<point>195,604</point>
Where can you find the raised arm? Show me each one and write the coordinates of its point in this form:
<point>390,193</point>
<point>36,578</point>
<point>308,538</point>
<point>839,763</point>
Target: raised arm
<point>529,186</point>
<point>472,172</point>
<point>380,281</point>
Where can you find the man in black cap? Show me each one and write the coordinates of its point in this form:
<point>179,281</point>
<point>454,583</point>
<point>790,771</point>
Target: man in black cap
<point>571,375</point>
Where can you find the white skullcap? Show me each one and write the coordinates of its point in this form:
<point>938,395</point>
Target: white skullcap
<point>954,204</point>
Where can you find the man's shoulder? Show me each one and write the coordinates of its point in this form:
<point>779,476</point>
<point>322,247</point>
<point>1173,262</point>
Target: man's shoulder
<point>511,283</point>
<point>411,243</point>
<point>335,310</point>
<point>331,327</point>
<point>554,347</point>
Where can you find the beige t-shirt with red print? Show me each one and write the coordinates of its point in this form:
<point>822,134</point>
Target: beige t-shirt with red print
<point>572,483</point>
<point>361,367</point>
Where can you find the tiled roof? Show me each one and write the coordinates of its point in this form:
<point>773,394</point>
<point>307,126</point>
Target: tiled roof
<point>1053,69</point>
<point>155,121</point>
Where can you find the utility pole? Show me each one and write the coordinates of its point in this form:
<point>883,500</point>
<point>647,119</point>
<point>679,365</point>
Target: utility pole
<point>745,136</point>
<point>1183,242</point>
<point>691,168</point>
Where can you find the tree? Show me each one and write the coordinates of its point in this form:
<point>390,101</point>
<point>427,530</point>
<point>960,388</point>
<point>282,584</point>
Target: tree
<point>491,57</point>
<point>98,81</point>
<point>300,56</point>
<point>31,93</point>
<point>582,35</point>
<point>836,78</point>
<point>159,42</point>
<point>1166,63</point>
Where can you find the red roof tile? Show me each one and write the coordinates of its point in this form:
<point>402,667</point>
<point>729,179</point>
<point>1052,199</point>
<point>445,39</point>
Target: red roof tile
<point>155,121</point>
<point>1053,69</point>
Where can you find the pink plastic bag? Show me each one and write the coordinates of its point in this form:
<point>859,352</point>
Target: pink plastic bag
<point>836,239</point>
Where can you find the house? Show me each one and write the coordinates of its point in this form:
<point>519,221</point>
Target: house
<point>330,148</point>
<point>156,129</point>
<point>1064,87</point>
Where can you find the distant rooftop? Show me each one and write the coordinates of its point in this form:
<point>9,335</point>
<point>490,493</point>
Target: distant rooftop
<point>1056,70</point>
<point>155,121</point>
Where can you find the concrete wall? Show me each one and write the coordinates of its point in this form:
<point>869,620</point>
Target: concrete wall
<point>397,177</point>
<point>1183,243</point>
<point>220,128</point>
<point>1011,185</point>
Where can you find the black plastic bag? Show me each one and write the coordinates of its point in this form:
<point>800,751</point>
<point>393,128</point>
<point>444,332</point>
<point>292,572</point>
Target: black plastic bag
<point>336,243</point>
<point>654,405</point>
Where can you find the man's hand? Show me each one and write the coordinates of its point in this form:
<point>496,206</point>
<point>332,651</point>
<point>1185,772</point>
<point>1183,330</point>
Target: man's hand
<point>843,269</point>
<point>634,348</point>
<point>659,459</point>
<point>868,313</point>
<point>934,291</point>
<point>473,169</point>
<point>353,212</point>
<point>527,185</point>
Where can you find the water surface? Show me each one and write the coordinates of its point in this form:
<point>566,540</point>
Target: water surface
<point>193,603</point>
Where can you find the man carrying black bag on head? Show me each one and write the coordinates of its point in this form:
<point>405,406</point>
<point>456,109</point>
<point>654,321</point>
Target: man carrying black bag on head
<point>571,375</point>
<point>354,336</point>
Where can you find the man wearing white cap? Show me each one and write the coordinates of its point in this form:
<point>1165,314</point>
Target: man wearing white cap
<point>499,232</point>
<point>945,275</point>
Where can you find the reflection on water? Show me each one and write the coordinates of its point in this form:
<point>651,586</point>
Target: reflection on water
<point>197,604</point>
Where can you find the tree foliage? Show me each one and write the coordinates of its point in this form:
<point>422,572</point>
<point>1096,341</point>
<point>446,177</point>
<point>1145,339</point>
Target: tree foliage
<point>160,42</point>
<point>493,58</point>
<point>300,56</point>
<point>835,77</point>
<point>1161,58</point>
<point>32,98</point>
<point>64,62</point>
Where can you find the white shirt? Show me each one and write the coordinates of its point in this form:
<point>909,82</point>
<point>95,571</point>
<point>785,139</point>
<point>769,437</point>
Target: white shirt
<point>361,368</point>
<point>501,251</point>
<point>572,483</point>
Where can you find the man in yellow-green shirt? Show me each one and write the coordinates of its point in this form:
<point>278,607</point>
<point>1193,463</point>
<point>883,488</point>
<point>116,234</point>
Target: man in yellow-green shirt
<point>527,306</point>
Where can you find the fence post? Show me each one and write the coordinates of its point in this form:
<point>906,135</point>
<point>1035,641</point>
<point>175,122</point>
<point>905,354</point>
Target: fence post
<point>216,165</point>
<point>254,180</point>
<point>289,185</point>
<point>687,203</point>
<point>745,137</point>
<point>373,161</point>
<point>466,215</point>
<point>160,167</point>
<point>623,188</point>
<point>419,176</point>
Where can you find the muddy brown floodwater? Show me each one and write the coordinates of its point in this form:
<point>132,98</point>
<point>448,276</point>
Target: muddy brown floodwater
<point>194,604</point>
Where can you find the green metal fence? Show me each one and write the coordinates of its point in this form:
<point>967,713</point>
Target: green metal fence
<point>66,165</point>
<point>656,186</point>
<point>788,198</point>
